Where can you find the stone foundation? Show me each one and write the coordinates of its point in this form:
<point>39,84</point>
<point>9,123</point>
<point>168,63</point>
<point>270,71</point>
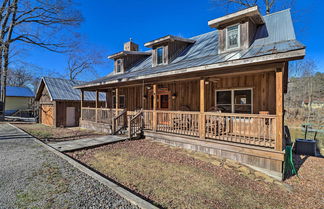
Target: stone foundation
<point>100,127</point>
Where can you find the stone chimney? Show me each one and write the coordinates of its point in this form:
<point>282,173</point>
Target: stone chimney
<point>130,46</point>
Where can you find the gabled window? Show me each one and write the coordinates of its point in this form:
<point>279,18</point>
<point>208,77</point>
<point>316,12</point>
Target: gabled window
<point>159,55</point>
<point>233,37</point>
<point>234,100</point>
<point>119,66</point>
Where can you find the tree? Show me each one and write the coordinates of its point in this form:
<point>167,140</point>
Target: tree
<point>35,22</point>
<point>267,5</point>
<point>82,60</point>
<point>19,77</point>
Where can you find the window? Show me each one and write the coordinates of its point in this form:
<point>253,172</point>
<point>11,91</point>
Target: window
<point>121,101</point>
<point>159,55</point>
<point>233,37</point>
<point>234,101</point>
<point>164,101</point>
<point>119,65</point>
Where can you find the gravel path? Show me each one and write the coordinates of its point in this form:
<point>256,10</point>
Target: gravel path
<point>31,176</point>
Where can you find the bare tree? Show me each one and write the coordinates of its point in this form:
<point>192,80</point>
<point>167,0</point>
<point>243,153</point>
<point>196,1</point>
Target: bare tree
<point>19,77</point>
<point>267,5</point>
<point>35,22</point>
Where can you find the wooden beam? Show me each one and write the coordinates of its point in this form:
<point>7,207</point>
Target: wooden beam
<point>279,109</point>
<point>202,110</point>
<point>154,108</point>
<point>117,100</point>
<point>82,99</point>
<point>97,104</point>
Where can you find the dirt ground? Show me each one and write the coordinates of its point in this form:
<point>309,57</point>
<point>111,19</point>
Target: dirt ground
<point>177,178</point>
<point>50,134</point>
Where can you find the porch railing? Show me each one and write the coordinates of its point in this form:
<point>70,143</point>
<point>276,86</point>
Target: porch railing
<point>252,129</point>
<point>135,125</point>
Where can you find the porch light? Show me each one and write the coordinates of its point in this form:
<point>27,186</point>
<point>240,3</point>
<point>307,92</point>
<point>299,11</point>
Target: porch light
<point>148,87</point>
<point>174,96</point>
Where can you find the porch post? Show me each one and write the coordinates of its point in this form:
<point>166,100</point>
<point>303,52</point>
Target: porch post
<point>202,110</point>
<point>117,100</point>
<point>279,108</point>
<point>82,99</point>
<point>97,104</point>
<point>154,109</point>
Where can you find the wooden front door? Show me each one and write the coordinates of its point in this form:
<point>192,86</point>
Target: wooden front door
<point>163,99</point>
<point>47,115</point>
<point>70,116</point>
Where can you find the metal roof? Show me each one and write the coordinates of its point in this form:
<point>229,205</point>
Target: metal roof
<point>275,36</point>
<point>62,89</point>
<point>14,91</point>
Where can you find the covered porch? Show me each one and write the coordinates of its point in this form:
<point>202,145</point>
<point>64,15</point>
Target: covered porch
<point>242,107</point>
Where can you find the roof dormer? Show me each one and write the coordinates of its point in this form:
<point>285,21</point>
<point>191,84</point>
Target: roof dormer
<point>237,30</point>
<point>166,49</point>
<point>126,59</point>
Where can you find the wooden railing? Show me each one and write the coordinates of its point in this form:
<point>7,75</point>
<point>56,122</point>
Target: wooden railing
<point>242,128</point>
<point>89,114</point>
<point>135,125</point>
<point>148,119</point>
<point>178,122</point>
<point>105,115</point>
<point>119,122</point>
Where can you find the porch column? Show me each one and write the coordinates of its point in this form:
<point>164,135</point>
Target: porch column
<point>82,99</point>
<point>279,108</point>
<point>117,100</point>
<point>154,109</point>
<point>202,110</point>
<point>97,104</point>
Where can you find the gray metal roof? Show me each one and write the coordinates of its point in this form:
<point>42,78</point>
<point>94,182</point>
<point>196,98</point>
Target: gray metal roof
<point>275,36</point>
<point>62,89</point>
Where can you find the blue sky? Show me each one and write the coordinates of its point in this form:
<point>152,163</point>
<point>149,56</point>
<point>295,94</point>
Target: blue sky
<point>110,23</point>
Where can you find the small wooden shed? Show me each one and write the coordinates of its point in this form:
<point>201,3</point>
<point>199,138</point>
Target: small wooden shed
<point>59,102</point>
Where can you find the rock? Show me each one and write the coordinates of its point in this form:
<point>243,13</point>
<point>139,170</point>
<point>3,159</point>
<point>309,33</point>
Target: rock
<point>232,163</point>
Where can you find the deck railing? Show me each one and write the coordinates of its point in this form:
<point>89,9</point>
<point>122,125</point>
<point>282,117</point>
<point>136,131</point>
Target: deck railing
<point>242,128</point>
<point>252,129</point>
<point>178,122</point>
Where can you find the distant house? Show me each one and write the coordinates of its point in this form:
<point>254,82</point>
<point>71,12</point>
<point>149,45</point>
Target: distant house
<point>220,92</point>
<point>18,98</point>
<point>59,102</point>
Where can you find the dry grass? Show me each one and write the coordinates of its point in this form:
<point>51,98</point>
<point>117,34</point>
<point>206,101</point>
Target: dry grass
<point>175,178</point>
<point>51,134</point>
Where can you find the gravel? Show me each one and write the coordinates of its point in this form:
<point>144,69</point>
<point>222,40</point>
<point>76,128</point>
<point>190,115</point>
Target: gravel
<point>31,176</point>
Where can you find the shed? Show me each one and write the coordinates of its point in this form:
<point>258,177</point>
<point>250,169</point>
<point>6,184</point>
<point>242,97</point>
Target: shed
<point>18,98</point>
<point>59,102</point>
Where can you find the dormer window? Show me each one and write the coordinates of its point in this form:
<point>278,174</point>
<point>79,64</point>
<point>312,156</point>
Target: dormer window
<point>233,37</point>
<point>119,66</point>
<point>159,55</point>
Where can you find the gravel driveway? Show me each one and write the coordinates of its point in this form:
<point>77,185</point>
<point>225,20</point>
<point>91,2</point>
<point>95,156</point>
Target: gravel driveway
<point>33,177</point>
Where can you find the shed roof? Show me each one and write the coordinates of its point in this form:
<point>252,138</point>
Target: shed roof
<point>62,89</point>
<point>15,91</point>
<point>274,37</point>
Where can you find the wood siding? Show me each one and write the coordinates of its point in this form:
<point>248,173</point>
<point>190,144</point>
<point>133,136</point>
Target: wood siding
<point>187,92</point>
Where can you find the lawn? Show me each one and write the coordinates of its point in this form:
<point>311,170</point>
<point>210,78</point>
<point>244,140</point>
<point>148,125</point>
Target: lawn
<point>51,134</point>
<point>177,178</point>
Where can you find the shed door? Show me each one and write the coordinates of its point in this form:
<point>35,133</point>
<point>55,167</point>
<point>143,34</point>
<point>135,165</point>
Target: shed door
<point>47,115</point>
<point>70,116</point>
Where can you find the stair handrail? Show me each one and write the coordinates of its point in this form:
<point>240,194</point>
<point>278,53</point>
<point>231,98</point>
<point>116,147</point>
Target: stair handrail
<point>115,128</point>
<point>133,127</point>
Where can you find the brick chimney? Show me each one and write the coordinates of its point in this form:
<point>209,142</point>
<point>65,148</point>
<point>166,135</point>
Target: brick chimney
<point>130,46</point>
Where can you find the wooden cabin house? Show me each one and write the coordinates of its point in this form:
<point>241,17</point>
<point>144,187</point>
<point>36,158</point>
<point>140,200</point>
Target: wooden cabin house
<point>59,102</point>
<point>220,92</point>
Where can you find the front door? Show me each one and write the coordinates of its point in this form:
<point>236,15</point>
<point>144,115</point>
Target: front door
<point>163,97</point>
<point>70,116</point>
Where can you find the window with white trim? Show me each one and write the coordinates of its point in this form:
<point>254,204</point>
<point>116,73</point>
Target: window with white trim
<point>234,100</point>
<point>121,101</point>
<point>119,66</point>
<point>159,55</point>
<point>233,37</point>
